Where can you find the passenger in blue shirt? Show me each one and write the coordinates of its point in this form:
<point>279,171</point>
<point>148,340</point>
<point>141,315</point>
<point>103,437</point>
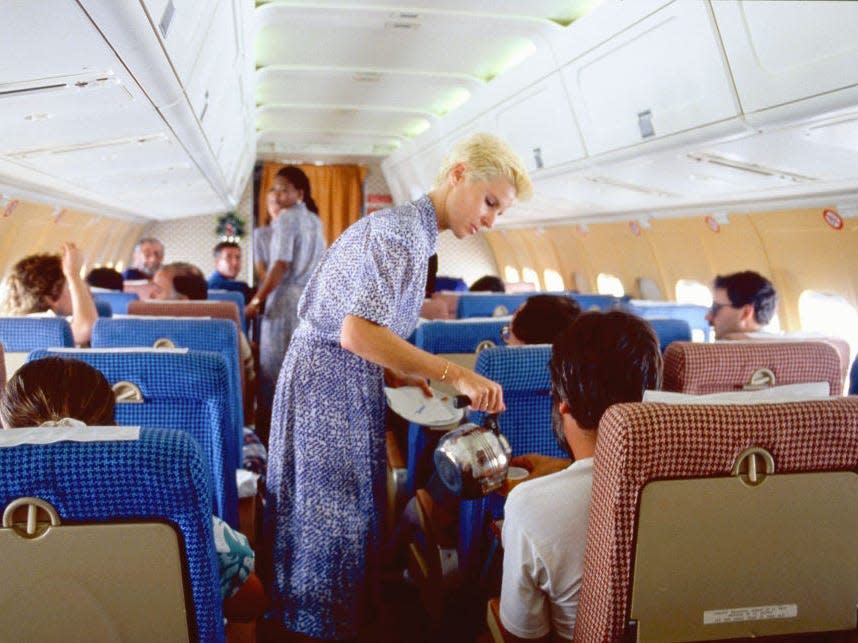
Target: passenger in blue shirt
<point>227,262</point>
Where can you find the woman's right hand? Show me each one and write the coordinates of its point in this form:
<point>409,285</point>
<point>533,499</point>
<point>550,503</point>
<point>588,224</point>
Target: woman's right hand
<point>485,394</point>
<point>72,260</point>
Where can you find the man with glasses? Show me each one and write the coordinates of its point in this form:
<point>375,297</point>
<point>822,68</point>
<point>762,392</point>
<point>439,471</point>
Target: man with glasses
<point>599,360</point>
<point>742,304</point>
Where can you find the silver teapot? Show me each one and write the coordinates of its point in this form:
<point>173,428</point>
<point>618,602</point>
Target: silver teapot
<point>472,460</point>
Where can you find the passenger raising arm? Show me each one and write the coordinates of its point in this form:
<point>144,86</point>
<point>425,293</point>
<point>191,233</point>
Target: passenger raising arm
<point>83,312</point>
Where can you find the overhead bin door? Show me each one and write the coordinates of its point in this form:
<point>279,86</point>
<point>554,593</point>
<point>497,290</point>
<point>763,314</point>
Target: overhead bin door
<point>780,52</point>
<point>663,75</point>
<point>540,125</point>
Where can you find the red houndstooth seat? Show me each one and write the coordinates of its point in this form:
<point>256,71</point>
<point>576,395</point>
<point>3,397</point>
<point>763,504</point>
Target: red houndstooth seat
<point>699,369</point>
<point>644,442</point>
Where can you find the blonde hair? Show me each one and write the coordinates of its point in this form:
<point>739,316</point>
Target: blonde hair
<point>33,282</point>
<point>486,157</point>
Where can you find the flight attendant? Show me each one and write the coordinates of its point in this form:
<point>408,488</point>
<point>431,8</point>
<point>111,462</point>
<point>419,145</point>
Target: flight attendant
<point>297,244</point>
<point>327,457</point>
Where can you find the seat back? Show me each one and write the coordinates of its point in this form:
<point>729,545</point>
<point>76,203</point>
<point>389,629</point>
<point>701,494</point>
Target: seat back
<point>103,308</point>
<point>218,335</point>
<point>728,366</point>
<point>669,331</point>
<point>185,308</point>
<point>597,302</point>
<point>691,313</point>
<point>20,335</point>
<point>183,390</point>
<point>117,299</point>
<point>523,373</point>
<point>489,304</point>
<point>235,297</point>
<point>648,442</point>
<point>157,478</point>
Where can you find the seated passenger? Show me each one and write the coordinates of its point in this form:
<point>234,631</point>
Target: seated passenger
<point>56,391</point>
<point>599,360</point>
<point>179,280</point>
<point>540,319</point>
<point>104,279</point>
<point>50,285</point>
<point>146,259</point>
<point>227,262</point>
<point>742,304</point>
<point>488,283</point>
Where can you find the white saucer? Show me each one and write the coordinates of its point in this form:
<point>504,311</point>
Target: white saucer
<point>517,473</point>
<point>409,402</point>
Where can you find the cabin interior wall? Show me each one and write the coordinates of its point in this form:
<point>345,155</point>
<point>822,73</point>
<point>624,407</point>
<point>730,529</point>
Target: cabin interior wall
<point>469,258</point>
<point>796,249</point>
<point>191,239</point>
<point>35,227</point>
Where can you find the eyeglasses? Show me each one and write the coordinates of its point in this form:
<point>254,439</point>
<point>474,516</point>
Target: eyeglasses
<point>505,334</point>
<point>715,307</point>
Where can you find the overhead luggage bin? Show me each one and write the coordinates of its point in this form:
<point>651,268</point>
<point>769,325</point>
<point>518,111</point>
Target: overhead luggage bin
<point>783,52</point>
<point>664,75</point>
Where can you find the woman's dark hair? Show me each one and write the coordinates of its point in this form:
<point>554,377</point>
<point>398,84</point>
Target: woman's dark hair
<point>431,275</point>
<point>488,283</point>
<point>603,359</point>
<point>541,318</point>
<point>299,180</point>
<point>32,284</point>
<point>53,388</point>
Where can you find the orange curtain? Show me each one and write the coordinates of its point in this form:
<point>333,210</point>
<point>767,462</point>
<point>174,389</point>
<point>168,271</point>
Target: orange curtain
<point>337,190</point>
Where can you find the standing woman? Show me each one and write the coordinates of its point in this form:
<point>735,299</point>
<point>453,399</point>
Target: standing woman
<point>262,238</point>
<point>327,462</point>
<point>297,244</point>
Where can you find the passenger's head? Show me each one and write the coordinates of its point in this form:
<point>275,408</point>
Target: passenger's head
<point>148,255</point>
<point>603,359</point>
<point>34,285</point>
<point>179,280</point>
<point>541,318</point>
<point>488,283</point>
<point>479,179</point>
<point>106,278</point>
<point>53,388</point>
<point>742,302</point>
<point>227,259</point>
<point>290,187</point>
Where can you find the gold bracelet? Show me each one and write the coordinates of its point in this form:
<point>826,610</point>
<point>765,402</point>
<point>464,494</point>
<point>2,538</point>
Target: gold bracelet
<point>444,374</point>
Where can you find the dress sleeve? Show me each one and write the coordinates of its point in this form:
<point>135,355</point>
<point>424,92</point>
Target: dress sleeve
<point>524,607</point>
<point>386,272</point>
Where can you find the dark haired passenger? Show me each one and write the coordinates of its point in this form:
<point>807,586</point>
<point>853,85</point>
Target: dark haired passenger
<point>51,285</point>
<point>104,278</point>
<point>58,391</point>
<point>540,319</point>
<point>227,265</point>
<point>743,303</point>
<point>600,360</point>
<point>297,244</point>
<point>488,283</point>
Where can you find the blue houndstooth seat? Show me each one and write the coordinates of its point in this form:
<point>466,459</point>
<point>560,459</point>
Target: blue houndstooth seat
<point>161,475</point>
<point>118,300</point>
<point>24,334</point>
<point>670,330</point>
<point>523,373</point>
<point>693,314</point>
<point>181,390</point>
<point>195,334</point>
<point>234,296</point>
<point>853,378</point>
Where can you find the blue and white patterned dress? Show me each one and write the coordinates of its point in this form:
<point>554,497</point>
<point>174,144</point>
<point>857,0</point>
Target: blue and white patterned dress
<point>326,475</point>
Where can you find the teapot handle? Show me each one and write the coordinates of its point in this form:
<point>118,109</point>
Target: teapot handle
<point>490,421</point>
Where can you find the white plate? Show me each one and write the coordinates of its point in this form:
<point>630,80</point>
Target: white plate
<point>410,403</point>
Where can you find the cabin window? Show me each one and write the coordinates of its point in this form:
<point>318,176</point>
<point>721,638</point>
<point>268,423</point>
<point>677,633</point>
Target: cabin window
<point>690,291</point>
<point>510,274</point>
<point>609,285</point>
<point>553,280</point>
<point>830,315</point>
<point>529,275</point>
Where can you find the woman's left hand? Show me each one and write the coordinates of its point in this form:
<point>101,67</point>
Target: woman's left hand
<point>395,379</point>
